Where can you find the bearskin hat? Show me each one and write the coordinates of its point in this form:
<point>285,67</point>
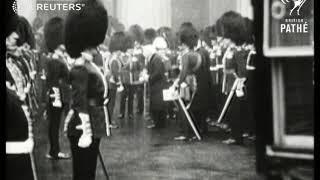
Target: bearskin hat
<point>85,28</point>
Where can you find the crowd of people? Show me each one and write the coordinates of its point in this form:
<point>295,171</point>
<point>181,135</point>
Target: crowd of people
<point>75,68</point>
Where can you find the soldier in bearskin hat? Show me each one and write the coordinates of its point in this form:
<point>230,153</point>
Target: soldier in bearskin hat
<point>138,64</point>
<point>234,30</point>
<point>85,30</point>
<point>195,62</point>
<point>57,83</point>
<point>117,47</point>
<point>19,141</point>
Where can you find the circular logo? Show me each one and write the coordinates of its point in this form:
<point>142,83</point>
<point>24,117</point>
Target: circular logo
<point>278,10</point>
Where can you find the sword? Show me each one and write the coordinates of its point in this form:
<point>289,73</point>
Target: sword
<point>103,166</point>
<point>189,118</point>
<point>33,166</point>
<point>145,112</point>
<point>226,105</point>
<point>145,85</point>
<point>106,114</point>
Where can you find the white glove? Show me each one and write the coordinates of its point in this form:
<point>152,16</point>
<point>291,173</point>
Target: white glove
<point>120,88</point>
<point>27,88</point>
<point>33,75</point>
<point>239,93</point>
<point>29,145</point>
<point>144,77</point>
<point>43,76</point>
<point>212,55</point>
<point>85,139</point>
<point>183,85</point>
<point>240,87</point>
<point>112,80</point>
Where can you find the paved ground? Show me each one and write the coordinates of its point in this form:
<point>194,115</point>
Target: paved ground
<point>137,153</point>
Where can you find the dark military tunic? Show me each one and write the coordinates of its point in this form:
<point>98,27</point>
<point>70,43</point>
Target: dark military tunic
<point>237,65</point>
<point>137,67</point>
<point>157,82</point>
<point>57,76</point>
<point>57,85</point>
<point>18,166</point>
<point>203,98</point>
<point>87,97</point>
<point>238,111</point>
<point>16,121</point>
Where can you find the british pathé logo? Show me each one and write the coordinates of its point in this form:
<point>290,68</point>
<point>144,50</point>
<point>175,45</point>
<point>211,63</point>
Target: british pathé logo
<point>297,4</point>
<point>294,26</point>
<point>287,12</point>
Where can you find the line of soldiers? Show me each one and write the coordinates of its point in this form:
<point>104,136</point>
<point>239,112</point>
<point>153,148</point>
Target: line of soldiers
<point>232,57</point>
<point>228,61</point>
<point>125,68</point>
<point>231,69</point>
<point>132,63</point>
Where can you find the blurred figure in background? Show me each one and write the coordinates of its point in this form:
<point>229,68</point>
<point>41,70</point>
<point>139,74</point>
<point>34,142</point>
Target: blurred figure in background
<point>138,64</point>
<point>127,95</point>
<point>25,33</point>
<point>208,40</point>
<point>168,35</point>
<point>157,82</point>
<point>57,83</point>
<point>149,35</point>
<point>117,48</point>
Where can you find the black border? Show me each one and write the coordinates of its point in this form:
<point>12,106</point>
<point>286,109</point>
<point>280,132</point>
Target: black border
<point>316,95</point>
<point>3,92</point>
<point>259,28</point>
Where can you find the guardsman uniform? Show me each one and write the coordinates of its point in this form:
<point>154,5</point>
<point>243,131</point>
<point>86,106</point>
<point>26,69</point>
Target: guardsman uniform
<point>235,68</point>
<point>138,65</point>
<point>19,137</point>
<point>114,66</point>
<point>88,117</point>
<point>58,99</point>
<point>157,82</point>
<point>128,91</point>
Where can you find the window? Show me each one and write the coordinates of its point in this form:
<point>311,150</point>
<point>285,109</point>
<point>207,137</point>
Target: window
<point>293,104</point>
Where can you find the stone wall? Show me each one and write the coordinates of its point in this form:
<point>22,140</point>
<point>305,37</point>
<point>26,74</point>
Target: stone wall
<point>201,13</point>
<point>195,11</point>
